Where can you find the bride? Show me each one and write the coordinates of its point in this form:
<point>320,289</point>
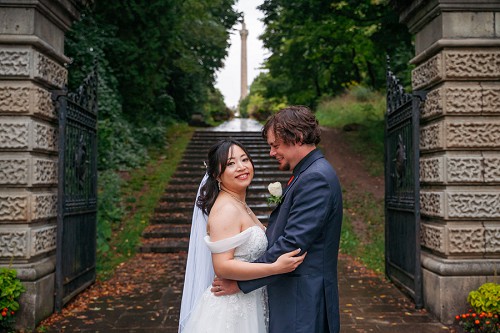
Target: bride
<point>235,238</point>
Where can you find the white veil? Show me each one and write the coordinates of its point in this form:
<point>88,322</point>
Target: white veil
<point>199,269</point>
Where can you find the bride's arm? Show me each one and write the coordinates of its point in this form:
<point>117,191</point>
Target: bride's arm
<point>225,223</point>
<point>226,267</point>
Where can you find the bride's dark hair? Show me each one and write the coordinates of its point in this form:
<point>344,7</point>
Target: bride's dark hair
<point>218,155</point>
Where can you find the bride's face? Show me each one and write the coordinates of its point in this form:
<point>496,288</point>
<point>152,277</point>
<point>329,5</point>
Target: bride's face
<point>239,170</point>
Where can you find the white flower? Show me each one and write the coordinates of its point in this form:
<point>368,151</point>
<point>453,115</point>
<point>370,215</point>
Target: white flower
<point>276,193</point>
<point>275,189</point>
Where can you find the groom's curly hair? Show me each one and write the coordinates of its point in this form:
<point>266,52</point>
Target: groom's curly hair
<point>294,124</point>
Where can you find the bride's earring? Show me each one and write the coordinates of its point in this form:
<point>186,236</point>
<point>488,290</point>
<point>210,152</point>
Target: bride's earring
<point>218,184</point>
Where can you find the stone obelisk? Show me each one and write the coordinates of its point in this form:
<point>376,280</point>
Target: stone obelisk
<point>244,85</point>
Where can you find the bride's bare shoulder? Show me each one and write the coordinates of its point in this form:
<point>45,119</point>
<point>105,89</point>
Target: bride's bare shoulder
<point>224,219</point>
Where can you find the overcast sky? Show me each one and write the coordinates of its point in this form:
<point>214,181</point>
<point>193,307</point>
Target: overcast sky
<point>229,78</point>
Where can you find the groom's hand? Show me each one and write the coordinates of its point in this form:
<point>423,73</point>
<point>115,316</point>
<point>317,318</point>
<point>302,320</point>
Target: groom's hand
<point>222,287</point>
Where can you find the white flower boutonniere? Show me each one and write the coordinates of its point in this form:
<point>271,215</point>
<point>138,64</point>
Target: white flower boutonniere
<point>276,193</point>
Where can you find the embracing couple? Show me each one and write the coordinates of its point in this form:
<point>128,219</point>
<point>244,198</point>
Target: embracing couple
<point>279,279</point>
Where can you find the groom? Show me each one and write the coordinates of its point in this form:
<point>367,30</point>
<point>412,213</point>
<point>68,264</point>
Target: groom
<point>309,217</point>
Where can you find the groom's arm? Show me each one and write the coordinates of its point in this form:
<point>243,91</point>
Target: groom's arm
<point>312,201</point>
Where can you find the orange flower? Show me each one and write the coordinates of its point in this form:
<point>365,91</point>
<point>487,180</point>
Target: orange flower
<point>477,322</point>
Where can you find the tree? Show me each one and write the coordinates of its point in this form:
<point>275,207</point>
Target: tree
<point>157,62</point>
<point>321,47</point>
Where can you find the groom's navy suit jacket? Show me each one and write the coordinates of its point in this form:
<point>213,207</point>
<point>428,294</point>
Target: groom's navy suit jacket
<point>309,217</point>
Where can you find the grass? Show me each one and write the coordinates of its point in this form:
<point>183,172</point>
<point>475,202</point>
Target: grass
<point>139,193</point>
<point>363,226</point>
<point>367,238</point>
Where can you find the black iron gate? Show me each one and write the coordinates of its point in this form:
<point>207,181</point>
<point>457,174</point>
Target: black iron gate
<point>402,207</point>
<point>77,190</point>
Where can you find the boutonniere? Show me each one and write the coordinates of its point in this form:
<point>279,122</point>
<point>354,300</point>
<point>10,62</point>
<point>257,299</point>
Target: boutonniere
<point>276,193</point>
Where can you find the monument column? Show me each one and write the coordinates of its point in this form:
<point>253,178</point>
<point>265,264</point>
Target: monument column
<point>457,59</point>
<point>31,65</point>
<point>244,80</point>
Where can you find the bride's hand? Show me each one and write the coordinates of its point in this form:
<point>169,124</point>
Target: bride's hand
<point>288,262</point>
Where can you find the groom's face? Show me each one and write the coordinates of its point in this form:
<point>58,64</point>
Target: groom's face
<point>285,154</point>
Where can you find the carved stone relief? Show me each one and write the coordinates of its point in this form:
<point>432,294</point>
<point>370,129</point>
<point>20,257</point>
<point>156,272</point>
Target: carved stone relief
<point>427,73</point>
<point>473,134</point>
<point>472,64</point>
<point>44,137</point>
<point>492,239</point>
<point>50,71</point>
<point>44,205</point>
<point>473,204</point>
<point>460,239</point>
<point>431,203</point>
<point>14,244</point>
<point>432,237</point>
<point>474,167</point>
<point>14,62</point>
<point>432,169</point>
<point>43,103</point>
<point>13,207</point>
<point>14,99</point>
<point>491,100</point>
<point>461,99</point>
<point>491,164</point>
<point>465,240</point>
<point>14,171</point>
<point>464,169</point>
<point>44,172</point>
<point>449,65</point>
<point>22,99</point>
<point>433,104</point>
<point>43,240</point>
<point>463,204</point>
<point>14,135</point>
<point>431,136</point>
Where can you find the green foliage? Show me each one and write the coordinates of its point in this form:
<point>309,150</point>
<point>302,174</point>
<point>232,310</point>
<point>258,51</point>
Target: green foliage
<point>363,236</point>
<point>255,105</point>
<point>10,291</point>
<point>118,146</point>
<point>362,111</point>
<point>317,48</point>
<point>109,213</point>
<point>128,199</point>
<point>166,52</point>
<point>349,241</point>
<point>156,63</point>
<point>486,298</point>
<point>215,109</point>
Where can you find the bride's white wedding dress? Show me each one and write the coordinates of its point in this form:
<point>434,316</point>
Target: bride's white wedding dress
<point>238,313</point>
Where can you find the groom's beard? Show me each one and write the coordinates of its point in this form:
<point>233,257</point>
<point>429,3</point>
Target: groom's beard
<point>284,167</point>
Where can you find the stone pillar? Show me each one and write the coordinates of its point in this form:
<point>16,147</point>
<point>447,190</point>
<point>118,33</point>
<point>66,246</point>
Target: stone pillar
<point>457,59</point>
<point>244,79</point>
<point>31,64</point>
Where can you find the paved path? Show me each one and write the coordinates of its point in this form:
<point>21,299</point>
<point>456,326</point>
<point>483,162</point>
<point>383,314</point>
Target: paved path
<point>144,296</point>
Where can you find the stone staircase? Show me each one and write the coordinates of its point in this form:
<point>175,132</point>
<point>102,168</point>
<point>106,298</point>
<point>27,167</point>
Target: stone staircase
<point>169,228</point>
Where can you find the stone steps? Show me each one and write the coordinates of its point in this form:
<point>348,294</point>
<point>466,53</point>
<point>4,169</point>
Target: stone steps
<point>169,227</point>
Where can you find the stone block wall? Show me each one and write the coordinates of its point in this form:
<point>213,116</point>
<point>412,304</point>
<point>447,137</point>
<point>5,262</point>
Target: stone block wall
<point>458,63</point>
<point>32,63</point>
